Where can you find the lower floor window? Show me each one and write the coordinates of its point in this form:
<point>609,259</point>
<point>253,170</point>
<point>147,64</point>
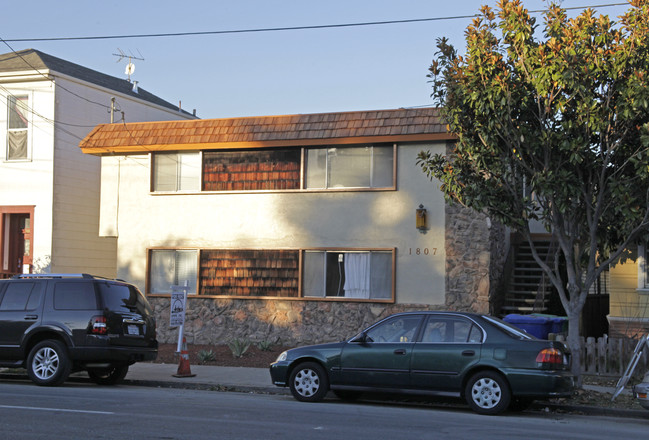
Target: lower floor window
<point>349,274</point>
<point>287,273</point>
<point>172,267</point>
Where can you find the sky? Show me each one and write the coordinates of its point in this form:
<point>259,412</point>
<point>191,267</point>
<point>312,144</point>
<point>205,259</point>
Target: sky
<point>259,73</point>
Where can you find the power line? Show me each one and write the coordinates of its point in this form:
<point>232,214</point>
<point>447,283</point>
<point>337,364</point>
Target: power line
<point>281,29</point>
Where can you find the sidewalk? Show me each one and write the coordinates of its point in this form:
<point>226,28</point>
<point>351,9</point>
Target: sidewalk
<point>206,377</point>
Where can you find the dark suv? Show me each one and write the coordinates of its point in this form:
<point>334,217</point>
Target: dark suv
<point>56,324</point>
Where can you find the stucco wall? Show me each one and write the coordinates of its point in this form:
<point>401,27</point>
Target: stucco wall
<point>288,220</point>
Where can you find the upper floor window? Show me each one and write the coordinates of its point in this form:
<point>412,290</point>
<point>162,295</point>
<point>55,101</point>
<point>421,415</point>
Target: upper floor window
<point>317,168</point>
<point>177,172</point>
<point>350,167</point>
<point>17,127</point>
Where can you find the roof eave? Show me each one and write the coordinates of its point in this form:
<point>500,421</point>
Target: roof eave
<point>139,149</point>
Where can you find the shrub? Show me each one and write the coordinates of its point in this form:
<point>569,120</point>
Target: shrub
<point>238,347</point>
<point>264,345</point>
<point>206,356</point>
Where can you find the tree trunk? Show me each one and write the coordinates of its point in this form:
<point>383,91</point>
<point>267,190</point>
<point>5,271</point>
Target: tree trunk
<point>574,343</point>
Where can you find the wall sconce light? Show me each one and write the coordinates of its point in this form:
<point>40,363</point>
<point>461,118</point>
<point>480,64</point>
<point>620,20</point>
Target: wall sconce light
<point>421,218</point>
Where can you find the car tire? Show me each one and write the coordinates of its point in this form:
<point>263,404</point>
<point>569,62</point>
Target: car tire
<point>487,392</point>
<point>108,376</point>
<point>309,382</point>
<point>48,363</point>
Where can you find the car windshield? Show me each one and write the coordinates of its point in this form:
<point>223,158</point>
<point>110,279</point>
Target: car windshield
<point>509,329</point>
<point>123,298</point>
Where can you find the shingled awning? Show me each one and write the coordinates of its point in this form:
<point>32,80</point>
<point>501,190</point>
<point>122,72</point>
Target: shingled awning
<point>401,125</point>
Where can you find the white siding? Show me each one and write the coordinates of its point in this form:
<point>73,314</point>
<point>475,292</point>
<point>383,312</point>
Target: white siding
<point>76,240</point>
<point>58,179</point>
<point>30,182</point>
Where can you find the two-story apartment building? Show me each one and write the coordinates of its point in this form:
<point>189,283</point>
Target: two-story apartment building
<point>49,190</point>
<point>298,228</point>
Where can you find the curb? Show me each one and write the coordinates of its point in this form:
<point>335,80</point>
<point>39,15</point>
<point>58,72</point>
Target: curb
<point>207,386</point>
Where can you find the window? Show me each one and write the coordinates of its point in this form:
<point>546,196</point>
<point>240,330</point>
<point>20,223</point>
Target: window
<point>17,127</point>
<point>643,266</point>
<point>348,274</point>
<point>121,298</point>
<point>339,274</point>
<point>397,329</point>
<point>172,267</point>
<point>75,296</point>
<point>22,296</point>
<point>315,168</point>
<point>177,172</point>
<point>350,167</point>
<point>450,330</point>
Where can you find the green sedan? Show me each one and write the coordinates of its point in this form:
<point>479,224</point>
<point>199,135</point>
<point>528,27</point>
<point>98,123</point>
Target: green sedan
<point>491,364</point>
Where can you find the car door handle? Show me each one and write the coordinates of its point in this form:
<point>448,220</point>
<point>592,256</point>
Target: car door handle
<point>31,317</point>
<point>400,351</point>
<point>468,353</point>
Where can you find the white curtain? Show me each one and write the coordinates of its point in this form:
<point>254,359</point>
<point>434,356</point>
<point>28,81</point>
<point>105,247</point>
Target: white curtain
<point>357,275</point>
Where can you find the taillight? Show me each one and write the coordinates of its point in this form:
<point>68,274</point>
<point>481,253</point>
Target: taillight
<point>550,357</point>
<point>98,325</point>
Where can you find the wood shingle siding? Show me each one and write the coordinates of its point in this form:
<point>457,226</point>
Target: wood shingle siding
<point>401,125</point>
<point>269,273</point>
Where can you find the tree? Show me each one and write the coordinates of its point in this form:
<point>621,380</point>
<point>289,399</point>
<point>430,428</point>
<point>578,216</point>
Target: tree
<point>554,130</point>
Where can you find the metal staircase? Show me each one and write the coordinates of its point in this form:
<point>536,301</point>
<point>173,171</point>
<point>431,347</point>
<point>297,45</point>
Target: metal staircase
<point>528,290</point>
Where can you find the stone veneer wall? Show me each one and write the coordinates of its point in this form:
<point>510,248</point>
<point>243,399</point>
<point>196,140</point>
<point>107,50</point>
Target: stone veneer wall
<point>476,251</point>
<point>282,322</point>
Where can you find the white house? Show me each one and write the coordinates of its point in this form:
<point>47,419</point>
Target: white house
<point>49,190</point>
<point>294,228</point>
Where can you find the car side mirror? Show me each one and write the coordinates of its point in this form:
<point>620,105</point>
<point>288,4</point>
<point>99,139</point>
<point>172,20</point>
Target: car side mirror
<point>362,338</point>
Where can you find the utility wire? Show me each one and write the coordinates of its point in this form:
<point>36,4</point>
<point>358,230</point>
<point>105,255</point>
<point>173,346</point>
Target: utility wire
<point>280,29</point>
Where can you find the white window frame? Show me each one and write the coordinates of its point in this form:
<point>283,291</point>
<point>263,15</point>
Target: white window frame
<point>28,130</point>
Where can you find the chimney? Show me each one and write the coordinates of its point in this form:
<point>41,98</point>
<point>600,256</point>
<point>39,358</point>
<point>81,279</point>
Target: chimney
<point>135,90</point>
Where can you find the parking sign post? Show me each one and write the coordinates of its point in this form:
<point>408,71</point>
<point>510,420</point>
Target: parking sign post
<point>177,310</point>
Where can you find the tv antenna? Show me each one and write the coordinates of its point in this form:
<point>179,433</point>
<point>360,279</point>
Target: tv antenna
<point>130,67</point>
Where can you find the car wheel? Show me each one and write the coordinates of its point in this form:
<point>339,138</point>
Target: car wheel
<point>487,392</point>
<point>309,382</point>
<point>520,403</point>
<point>349,396</point>
<point>108,376</point>
<point>48,363</point>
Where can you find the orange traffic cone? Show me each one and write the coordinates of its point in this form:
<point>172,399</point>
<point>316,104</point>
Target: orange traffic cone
<point>183,365</point>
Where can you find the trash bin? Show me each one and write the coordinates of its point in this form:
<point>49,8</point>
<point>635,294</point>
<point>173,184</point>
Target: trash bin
<point>538,326</point>
<point>558,324</point>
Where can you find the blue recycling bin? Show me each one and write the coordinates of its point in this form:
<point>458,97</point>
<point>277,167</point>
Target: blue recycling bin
<point>538,326</point>
<point>558,324</point>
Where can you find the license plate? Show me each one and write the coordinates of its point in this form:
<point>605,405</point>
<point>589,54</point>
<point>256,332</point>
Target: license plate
<point>133,330</point>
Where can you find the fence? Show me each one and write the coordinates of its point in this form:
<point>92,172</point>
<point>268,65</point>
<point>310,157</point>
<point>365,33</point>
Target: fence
<point>610,356</point>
